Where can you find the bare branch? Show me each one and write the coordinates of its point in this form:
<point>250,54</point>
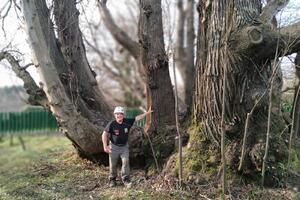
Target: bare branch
<point>117,32</point>
<point>36,94</point>
<point>118,74</point>
<point>271,9</point>
<point>287,89</point>
<point>16,5</point>
<point>28,65</point>
<point>274,71</point>
<point>5,14</point>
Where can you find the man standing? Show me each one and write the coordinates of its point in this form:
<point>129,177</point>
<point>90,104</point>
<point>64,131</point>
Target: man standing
<point>116,132</point>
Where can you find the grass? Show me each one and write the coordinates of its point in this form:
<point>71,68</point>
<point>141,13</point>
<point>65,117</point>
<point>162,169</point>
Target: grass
<point>19,169</point>
<point>50,169</point>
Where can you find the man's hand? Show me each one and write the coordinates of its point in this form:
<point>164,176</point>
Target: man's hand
<point>142,116</point>
<point>107,149</point>
<point>150,110</point>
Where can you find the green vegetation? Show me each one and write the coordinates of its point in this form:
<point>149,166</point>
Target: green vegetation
<point>286,106</point>
<point>295,160</point>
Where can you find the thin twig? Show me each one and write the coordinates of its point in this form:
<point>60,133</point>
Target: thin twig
<point>292,128</point>
<point>177,123</point>
<point>249,115</point>
<point>153,152</point>
<point>287,89</point>
<point>146,129</point>
<point>268,133</point>
<point>223,135</point>
<point>275,67</point>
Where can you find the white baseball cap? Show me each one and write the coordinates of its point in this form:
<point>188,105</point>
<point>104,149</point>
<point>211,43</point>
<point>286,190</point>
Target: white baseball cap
<point>119,109</point>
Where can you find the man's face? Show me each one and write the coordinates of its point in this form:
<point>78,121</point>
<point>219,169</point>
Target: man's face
<point>119,117</point>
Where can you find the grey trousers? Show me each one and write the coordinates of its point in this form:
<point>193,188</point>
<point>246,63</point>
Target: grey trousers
<point>116,153</point>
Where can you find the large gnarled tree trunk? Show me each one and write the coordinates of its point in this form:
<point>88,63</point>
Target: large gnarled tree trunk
<point>67,80</point>
<point>238,35</point>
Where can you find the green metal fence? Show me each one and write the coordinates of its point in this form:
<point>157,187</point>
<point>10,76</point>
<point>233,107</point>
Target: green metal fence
<point>31,120</point>
<point>36,119</point>
<point>132,112</point>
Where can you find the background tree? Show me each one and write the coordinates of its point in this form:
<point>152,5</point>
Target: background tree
<point>124,39</point>
<point>185,47</point>
<point>184,42</point>
<point>157,79</point>
<point>155,62</point>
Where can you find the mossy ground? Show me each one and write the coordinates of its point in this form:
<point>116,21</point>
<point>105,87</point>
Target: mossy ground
<point>198,168</point>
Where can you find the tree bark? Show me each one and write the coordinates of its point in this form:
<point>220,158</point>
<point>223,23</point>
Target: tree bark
<point>76,74</point>
<point>251,48</point>
<point>85,136</point>
<point>155,62</point>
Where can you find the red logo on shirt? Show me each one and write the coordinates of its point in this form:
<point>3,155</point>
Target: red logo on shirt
<point>116,131</point>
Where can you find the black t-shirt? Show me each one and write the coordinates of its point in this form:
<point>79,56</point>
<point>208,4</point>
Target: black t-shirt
<point>119,132</point>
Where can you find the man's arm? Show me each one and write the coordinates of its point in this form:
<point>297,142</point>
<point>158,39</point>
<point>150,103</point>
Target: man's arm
<point>141,116</point>
<point>105,142</point>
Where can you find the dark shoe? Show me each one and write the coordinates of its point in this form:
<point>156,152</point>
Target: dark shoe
<point>127,183</point>
<point>112,183</point>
